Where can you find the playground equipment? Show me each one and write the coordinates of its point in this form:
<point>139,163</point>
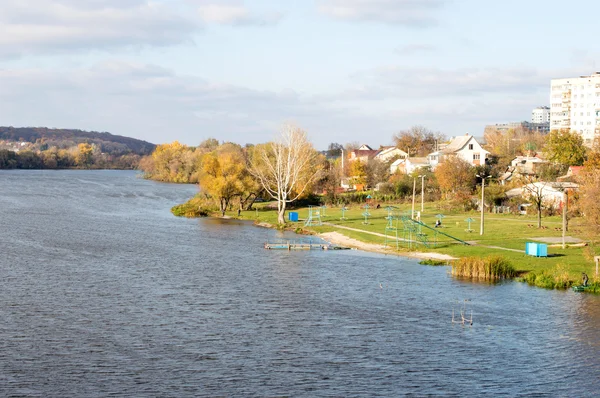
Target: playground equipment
<point>413,232</point>
<point>314,216</point>
<point>323,210</point>
<point>392,225</point>
<point>344,210</point>
<point>469,221</point>
<point>366,214</point>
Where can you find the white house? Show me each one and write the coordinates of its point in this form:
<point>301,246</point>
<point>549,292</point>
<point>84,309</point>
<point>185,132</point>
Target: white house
<point>551,192</point>
<point>465,146</point>
<point>387,153</point>
<point>409,165</point>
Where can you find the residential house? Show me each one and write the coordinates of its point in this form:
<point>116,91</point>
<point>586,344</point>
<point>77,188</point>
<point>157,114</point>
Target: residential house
<point>465,146</point>
<point>409,165</point>
<point>364,153</point>
<point>552,193</point>
<point>572,174</point>
<point>387,153</point>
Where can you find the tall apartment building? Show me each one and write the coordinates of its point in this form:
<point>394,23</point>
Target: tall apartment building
<point>540,115</point>
<point>575,105</point>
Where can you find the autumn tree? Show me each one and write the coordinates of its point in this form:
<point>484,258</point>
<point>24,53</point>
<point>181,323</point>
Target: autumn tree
<point>507,144</point>
<point>590,192</point>
<point>565,147</point>
<point>174,162</point>
<point>455,175</point>
<point>84,157</point>
<point>224,175</point>
<point>286,167</point>
<point>358,172</point>
<point>417,141</point>
<point>330,178</point>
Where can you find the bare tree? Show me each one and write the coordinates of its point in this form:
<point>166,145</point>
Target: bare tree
<point>534,192</point>
<point>286,168</point>
<point>418,140</point>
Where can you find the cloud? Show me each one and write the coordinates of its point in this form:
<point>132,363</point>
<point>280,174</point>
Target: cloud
<point>156,104</point>
<point>430,82</point>
<point>33,27</point>
<point>159,105</point>
<point>417,13</point>
<point>412,49</point>
<point>235,14</point>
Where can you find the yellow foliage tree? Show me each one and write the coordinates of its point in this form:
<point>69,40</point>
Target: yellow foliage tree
<point>174,162</point>
<point>84,157</point>
<point>224,175</point>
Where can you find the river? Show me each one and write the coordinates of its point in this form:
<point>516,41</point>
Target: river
<point>103,292</point>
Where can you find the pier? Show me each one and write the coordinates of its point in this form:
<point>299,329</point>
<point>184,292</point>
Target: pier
<point>301,245</point>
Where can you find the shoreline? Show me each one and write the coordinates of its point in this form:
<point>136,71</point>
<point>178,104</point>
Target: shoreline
<point>340,239</point>
<point>337,238</point>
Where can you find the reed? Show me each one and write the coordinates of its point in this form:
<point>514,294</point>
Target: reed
<point>489,268</point>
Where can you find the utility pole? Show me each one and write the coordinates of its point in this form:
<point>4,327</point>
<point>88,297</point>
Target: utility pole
<point>412,215</point>
<point>564,218</point>
<point>422,192</point>
<point>482,201</point>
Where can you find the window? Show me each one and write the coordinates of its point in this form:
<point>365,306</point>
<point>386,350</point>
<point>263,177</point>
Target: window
<point>470,147</point>
<point>476,156</point>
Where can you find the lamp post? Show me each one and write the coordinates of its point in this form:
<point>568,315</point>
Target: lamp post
<point>422,192</point>
<point>412,215</point>
<point>483,177</point>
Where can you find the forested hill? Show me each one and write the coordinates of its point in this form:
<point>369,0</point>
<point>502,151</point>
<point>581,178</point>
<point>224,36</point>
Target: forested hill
<point>65,138</point>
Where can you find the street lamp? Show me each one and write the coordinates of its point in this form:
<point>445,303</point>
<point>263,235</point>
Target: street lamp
<point>422,191</point>
<point>483,177</point>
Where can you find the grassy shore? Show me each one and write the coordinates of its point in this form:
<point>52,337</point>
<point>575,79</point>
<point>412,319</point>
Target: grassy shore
<point>505,236</point>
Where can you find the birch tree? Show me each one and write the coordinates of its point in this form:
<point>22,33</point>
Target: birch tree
<point>286,167</point>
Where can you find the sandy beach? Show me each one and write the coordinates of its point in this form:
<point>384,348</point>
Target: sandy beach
<point>337,238</point>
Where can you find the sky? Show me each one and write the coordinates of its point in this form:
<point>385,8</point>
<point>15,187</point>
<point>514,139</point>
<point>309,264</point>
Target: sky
<point>342,70</point>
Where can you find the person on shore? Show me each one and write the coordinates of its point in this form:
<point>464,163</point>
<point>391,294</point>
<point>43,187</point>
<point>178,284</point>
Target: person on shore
<point>438,223</point>
<point>584,278</point>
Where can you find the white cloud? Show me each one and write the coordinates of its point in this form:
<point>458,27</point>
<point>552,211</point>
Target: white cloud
<point>436,82</point>
<point>400,12</point>
<point>158,105</point>
<point>412,49</point>
<point>32,27</point>
<point>234,14</point>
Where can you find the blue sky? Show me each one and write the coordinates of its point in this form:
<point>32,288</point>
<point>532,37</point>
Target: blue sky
<point>344,70</point>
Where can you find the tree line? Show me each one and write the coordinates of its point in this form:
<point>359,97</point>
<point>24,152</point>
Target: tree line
<point>284,170</point>
<point>82,156</point>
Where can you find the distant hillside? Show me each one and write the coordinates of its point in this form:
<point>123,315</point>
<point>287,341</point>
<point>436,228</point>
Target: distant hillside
<point>65,138</point>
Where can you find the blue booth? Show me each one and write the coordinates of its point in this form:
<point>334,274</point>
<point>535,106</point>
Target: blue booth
<point>536,249</point>
<point>293,216</point>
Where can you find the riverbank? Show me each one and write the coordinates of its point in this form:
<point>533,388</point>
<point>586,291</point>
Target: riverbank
<point>385,231</point>
<point>338,238</point>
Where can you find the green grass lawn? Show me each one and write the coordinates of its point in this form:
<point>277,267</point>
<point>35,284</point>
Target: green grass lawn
<point>502,231</point>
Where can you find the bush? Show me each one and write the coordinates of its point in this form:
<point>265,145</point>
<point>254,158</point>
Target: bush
<point>556,278</point>
<point>434,262</point>
<point>198,206</point>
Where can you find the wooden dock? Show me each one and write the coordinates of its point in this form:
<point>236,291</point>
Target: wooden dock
<point>300,245</point>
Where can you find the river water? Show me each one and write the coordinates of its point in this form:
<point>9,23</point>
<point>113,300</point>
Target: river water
<point>104,292</point>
